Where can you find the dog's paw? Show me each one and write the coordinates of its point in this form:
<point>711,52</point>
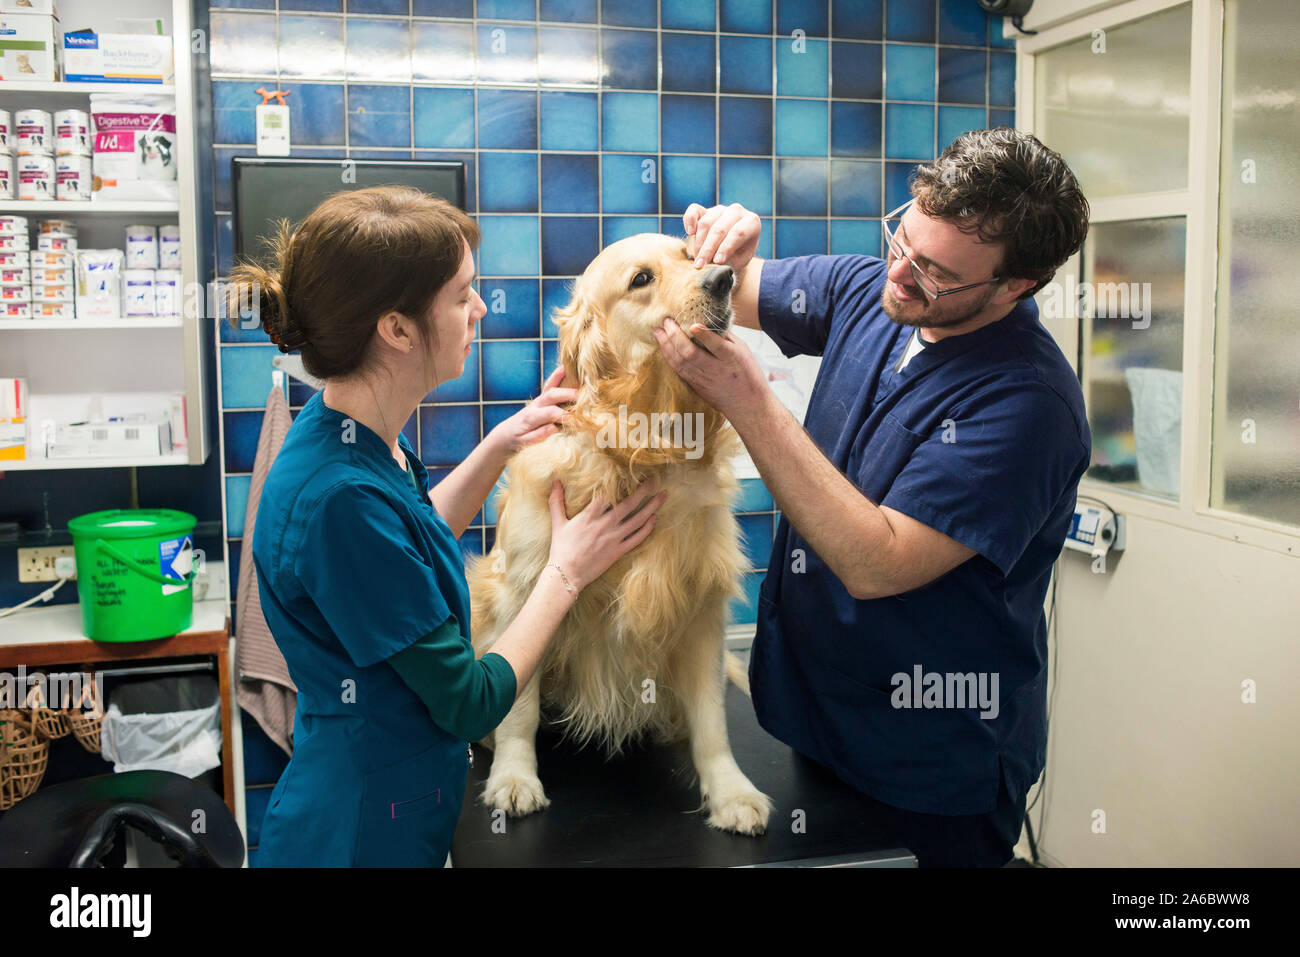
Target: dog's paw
<point>516,793</point>
<point>745,812</point>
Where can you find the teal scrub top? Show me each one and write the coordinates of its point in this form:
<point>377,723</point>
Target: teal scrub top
<point>354,565</point>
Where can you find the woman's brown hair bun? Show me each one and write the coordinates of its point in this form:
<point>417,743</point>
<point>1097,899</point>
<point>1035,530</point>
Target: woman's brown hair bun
<point>256,292</point>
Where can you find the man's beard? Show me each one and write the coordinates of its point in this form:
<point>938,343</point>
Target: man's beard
<point>931,314</point>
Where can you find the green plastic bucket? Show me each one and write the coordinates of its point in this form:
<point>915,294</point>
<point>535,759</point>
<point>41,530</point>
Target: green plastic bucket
<point>134,569</point>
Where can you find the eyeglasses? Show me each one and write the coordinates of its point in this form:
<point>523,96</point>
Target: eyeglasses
<point>926,284</point>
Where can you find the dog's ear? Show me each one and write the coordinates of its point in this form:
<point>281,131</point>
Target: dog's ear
<point>584,353</point>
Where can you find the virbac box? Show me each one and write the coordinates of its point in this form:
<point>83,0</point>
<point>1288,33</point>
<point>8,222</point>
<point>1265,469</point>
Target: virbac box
<point>117,58</point>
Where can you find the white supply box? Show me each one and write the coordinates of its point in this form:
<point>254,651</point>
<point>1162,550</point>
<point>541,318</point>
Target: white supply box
<point>109,439</point>
<point>13,420</point>
<point>30,6</point>
<point>27,47</point>
<point>117,58</point>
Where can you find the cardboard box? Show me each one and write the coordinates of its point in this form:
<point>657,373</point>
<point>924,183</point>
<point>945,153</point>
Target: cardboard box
<point>117,58</point>
<point>30,6</point>
<point>109,440</point>
<point>28,51</point>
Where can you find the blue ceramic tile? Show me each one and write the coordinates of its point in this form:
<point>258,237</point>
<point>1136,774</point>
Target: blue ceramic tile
<point>996,38</point>
<point>511,370</point>
<point>860,236</point>
<point>299,394</point>
<point>628,13</point>
<point>689,64</point>
<point>387,7</point>
<point>753,497</point>
<point>509,246</point>
<point>689,179</point>
<point>379,153</point>
<point>962,23</point>
<point>318,115</point>
<point>443,117</point>
<point>240,332</point>
<point>614,228</point>
<point>221,195</point>
<point>962,76</point>
<point>379,116</point>
<point>379,50</point>
<point>909,131</point>
<point>513,309</point>
<point>686,124</point>
<point>765,244</point>
<point>857,19</point>
<point>1002,118</point>
<point>897,191</point>
<point>263,759</point>
<point>955,120</point>
<point>234,554</point>
<point>801,127</point>
<point>493,415</point>
<point>569,56</point>
<point>855,71</point>
<point>311,46</point>
<point>569,183</point>
<point>312,6</point>
<point>756,538</point>
<point>629,184</point>
<point>248,4</point>
<point>233,106</point>
<point>747,182</point>
<point>411,429</point>
<point>1002,79</point>
<point>746,64</point>
<point>569,121</point>
<point>237,487</point>
<point>556,294</point>
<point>507,119</point>
<point>461,389</point>
<point>508,182</point>
<point>246,376</point>
<point>630,59</point>
<point>243,44</point>
<point>242,430</point>
<point>744,16</point>
<point>448,433</point>
<point>913,20</point>
<point>800,237</point>
<point>569,243</point>
<point>629,122</point>
<point>855,188</point>
<point>443,8</point>
<point>569,11</point>
<point>550,355</point>
<point>687,15</point>
<point>507,54</point>
<point>442,52</point>
<point>744,611</point>
<point>745,126</point>
<point>471,171</point>
<point>810,16</point>
<point>802,70</point>
<point>471,542</point>
<point>507,9</point>
<point>909,72</point>
<point>801,187</point>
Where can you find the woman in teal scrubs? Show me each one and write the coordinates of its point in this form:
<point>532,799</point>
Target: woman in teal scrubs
<point>359,573</point>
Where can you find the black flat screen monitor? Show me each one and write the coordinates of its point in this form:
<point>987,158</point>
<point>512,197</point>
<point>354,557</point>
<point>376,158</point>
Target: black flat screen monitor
<point>267,190</point>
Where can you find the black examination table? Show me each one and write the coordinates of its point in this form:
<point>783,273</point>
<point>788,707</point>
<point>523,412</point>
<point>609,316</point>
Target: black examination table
<point>638,810</point>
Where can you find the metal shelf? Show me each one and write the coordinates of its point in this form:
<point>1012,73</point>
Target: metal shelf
<point>58,87</point>
<point>21,206</point>
<point>142,322</point>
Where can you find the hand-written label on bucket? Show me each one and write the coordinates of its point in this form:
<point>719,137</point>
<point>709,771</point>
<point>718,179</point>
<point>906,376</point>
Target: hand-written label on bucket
<point>109,587</point>
<point>175,559</point>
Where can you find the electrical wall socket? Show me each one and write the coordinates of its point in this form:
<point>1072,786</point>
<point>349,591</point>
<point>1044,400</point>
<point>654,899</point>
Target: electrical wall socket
<point>37,564</point>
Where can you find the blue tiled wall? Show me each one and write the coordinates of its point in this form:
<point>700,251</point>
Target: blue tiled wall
<point>810,113</point>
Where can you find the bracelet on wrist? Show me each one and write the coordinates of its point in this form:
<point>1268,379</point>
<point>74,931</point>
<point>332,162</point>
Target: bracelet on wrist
<point>563,578</point>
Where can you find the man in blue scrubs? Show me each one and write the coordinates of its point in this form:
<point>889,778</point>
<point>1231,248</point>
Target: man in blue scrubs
<point>901,638</point>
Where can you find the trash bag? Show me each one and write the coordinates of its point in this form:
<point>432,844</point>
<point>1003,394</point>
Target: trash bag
<point>141,731</point>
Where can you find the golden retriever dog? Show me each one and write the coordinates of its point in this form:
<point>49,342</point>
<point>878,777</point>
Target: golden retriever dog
<point>641,651</point>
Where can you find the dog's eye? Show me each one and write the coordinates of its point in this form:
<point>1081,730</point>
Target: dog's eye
<point>643,278</point>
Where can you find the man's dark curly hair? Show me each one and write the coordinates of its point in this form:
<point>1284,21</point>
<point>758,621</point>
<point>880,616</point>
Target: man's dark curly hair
<point>1008,188</point>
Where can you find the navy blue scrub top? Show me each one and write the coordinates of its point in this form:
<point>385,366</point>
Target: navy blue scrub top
<point>354,565</point>
<point>982,437</point>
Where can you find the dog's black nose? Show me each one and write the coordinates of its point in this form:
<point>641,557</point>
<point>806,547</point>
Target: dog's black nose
<point>718,281</point>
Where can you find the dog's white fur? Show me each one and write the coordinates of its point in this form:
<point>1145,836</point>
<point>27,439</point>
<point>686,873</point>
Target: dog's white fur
<point>641,651</point>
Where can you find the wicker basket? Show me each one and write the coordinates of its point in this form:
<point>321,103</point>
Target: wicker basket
<point>27,752</point>
<point>53,724</point>
<point>85,724</point>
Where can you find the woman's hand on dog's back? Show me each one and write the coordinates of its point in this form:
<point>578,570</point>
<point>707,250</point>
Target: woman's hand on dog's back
<point>589,543</point>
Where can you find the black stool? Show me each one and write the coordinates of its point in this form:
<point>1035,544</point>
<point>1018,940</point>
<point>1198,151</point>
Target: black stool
<point>80,823</point>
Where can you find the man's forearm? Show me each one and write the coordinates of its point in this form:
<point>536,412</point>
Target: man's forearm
<point>848,531</point>
<point>460,495</point>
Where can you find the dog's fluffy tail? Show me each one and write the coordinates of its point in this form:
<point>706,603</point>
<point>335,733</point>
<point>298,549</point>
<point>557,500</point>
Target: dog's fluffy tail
<point>737,672</point>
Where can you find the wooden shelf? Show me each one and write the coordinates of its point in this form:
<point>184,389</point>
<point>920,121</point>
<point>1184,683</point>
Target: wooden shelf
<point>142,322</point>
<point>59,88</point>
<point>49,465</point>
<point>22,206</point>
